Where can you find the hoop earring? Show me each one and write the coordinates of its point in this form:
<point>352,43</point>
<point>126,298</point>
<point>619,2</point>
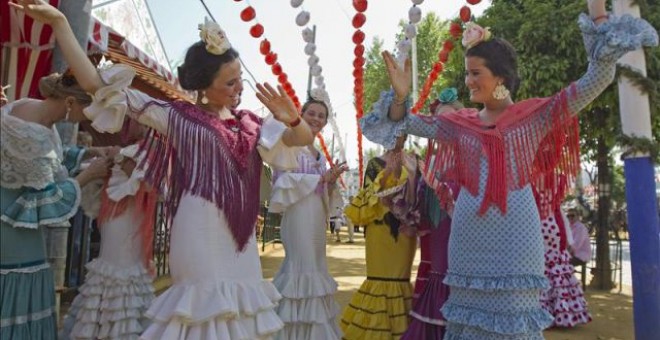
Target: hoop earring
<point>204,99</point>
<point>501,92</point>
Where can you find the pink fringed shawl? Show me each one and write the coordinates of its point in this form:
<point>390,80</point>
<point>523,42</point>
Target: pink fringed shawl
<point>531,139</point>
<point>203,157</point>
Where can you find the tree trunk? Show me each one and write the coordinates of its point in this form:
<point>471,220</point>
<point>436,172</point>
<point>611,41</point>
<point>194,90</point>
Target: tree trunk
<point>602,273</point>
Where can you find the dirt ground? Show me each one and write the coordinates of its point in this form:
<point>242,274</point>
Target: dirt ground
<point>611,312</point>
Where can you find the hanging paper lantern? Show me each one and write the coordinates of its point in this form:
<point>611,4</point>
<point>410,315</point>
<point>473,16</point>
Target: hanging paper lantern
<point>256,31</point>
<point>264,47</point>
<point>277,69</point>
<point>473,2</point>
<point>410,31</point>
<point>271,58</point>
<point>358,20</point>
<point>358,50</point>
<point>359,61</point>
<point>465,13</point>
<point>415,14</point>
<point>437,67</point>
<point>358,37</point>
<point>296,3</point>
<point>319,80</point>
<point>282,78</point>
<point>417,2</point>
<point>302,18</point>
<point>308,35</point>
<point>248,14</point>
<point>316,70</point>
<point>455,30</point>
<point>360,5</point>
<point>310,48</point>
<point>312,60</point>
<point>448,45</point>
<point>443,56</point>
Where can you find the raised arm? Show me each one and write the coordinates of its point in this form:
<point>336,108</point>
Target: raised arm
<point>606,39</point>
<point>81,66</point>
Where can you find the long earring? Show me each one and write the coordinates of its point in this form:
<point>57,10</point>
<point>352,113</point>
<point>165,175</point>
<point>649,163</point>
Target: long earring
<point>500,92</point>
<point>68,112</point>
<point>204,99</point>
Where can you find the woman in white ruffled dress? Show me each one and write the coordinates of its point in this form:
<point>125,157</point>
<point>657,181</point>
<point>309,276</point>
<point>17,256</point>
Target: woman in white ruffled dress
<point>118,286</point>
<point>208,158</point>
<point>306,195</point>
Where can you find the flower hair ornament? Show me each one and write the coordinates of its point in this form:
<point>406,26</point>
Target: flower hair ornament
<point>214,37</point>
<point>446,97</point>
<point>475,34</point>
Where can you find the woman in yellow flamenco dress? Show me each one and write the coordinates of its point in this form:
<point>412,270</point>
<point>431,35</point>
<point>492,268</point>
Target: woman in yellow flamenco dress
<point>380,307</point>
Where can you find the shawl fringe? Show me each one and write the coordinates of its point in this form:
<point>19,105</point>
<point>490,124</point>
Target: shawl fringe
<point>202,156</point>
<point>532,139</point>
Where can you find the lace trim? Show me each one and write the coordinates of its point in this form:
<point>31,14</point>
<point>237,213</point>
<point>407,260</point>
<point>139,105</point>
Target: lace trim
<point>22,319</point>
<point>25,270</point>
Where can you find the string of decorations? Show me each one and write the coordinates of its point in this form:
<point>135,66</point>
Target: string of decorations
<point>257,30</point>
<point>455,31</point>
<point>358,74</point>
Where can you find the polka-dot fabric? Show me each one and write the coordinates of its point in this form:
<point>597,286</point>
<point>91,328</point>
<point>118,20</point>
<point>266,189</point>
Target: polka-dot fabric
<point>496,267</point>
<point>565,298</point>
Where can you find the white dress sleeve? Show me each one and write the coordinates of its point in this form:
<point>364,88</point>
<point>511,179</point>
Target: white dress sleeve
<point>111,103</point>
<point>271,148</point>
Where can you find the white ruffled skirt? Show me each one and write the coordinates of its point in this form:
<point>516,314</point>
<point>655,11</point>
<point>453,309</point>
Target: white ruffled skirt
<point>217,292</point>
<point>117,290</point>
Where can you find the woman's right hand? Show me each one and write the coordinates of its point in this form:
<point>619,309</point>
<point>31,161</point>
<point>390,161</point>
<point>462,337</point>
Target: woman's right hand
<point>98,168</point>
<point>38,10</point>
<point>400,78</point>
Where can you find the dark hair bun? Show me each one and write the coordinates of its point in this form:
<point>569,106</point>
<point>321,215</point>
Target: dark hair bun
<point>200,67</point>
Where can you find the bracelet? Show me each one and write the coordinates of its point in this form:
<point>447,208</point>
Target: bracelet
<point>604,16</point>
<point>295,123</point>
<point>399,103</point>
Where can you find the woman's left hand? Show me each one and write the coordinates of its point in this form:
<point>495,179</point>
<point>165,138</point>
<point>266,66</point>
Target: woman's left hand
<point>331,175</point>
<point>278,102</point>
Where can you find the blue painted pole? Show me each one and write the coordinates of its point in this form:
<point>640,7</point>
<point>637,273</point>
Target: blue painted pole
<point>643,220</point>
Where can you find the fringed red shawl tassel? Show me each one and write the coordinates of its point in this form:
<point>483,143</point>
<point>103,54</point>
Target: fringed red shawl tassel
<point>202,156</point>
<point>530,139</point>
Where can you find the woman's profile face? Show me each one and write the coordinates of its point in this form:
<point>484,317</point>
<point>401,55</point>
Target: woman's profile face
<point>226,88</point>
<point>480,80</point>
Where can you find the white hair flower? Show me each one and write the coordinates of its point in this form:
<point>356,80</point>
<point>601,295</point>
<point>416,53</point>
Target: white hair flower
<point>214,37</point>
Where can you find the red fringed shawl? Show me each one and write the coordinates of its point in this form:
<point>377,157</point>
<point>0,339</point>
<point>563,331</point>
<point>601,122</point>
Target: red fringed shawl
<point>144,202</point>
<point>530,139</point>
<point>202,156</point>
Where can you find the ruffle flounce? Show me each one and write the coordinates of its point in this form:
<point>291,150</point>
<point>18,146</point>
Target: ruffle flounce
<point>365,207</point>
<point>378,310</point>
<point>52,206</point>
<point>214,311</point>
<point>462,332</point>
<point>271,148</point>
<point>502,324</point>
<point>618,35</point>
<point>565,298</point>
<point>419,330</point>
<point>290,188</point>
<point>110,104</point>
<point>111,304</point>
<point>511,282</point>
<point>28,296</point>
<point>305,285</point>
<point>427,308</point>
<point>310,331</point>
<point>378,127</point>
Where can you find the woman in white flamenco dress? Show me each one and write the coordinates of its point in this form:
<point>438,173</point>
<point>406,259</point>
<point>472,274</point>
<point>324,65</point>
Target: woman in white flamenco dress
<point>118,286</point>
<point>305,196</point>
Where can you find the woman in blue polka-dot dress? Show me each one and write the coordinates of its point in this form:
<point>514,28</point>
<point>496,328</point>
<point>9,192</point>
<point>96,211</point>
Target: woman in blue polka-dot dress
<point>496,264</point>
